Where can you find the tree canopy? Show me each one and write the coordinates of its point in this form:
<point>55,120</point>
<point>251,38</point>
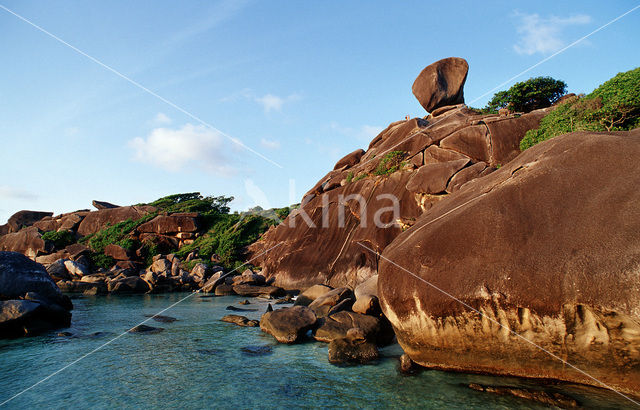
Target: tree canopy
<point>525,96</point>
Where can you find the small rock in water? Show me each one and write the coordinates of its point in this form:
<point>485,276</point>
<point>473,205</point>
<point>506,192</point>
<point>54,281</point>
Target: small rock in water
<point>244,302</point>
<point>209,351</point>
<point>163,319</point>
<point>540,396</point>
<point>269,308</point>
<point>237,309</point>
<point>257,350</point>
<point>145,329</point>
<point>206,296</point>
<point>407,366</point>
<point>240,321</point>
<point>284,300</point>
<point>65,334</point>
<point>98,334</point>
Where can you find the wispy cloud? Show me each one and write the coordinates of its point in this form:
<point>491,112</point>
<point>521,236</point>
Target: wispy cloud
<point>544,35</point>
<point>188,146</point>
<point>269,144</point>
<point>162,119</point>
<point>272,102</point>
<point>8,192</point>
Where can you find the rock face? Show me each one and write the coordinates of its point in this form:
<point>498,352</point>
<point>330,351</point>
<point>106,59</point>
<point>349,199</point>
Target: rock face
<point>103,205</point>
<point>547,247</point>
<point>441,83</point>
<point>322,242</point>
<point>27,241</point>
<point>30,302</point>
<point>97,220</point>
<point>25,219</point>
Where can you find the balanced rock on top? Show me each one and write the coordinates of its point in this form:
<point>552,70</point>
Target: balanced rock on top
<point>441,83</point>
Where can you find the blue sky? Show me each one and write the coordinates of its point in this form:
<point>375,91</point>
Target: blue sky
<point>302,83</point>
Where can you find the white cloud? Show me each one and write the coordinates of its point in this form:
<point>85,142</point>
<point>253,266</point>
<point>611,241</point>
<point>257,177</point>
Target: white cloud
<point>269,144</point>
<point>162,119</point>
<point>544,35</point>
<point>7,192</point>
<point>189,146</point>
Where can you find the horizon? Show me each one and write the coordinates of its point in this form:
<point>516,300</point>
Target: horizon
<point>321,84</point>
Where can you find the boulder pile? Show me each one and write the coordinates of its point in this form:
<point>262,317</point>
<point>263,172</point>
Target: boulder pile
<point>30,302</point>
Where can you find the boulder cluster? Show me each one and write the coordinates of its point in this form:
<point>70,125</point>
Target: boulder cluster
<point>349,320</point>
<point>30,302</point>
<point>496,257</point>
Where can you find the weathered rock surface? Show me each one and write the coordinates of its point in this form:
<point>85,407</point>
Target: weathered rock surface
<point>288,325</point>
<point>97,220</point>
<point>167,224</point>
<point>23,219</point>
<point>441,83</point>
<point>26,241</point>
<point>311,294</point>
<point>351,208</point>
<point>332,301</point>
<point>347,350</point>
<point>547,247</point>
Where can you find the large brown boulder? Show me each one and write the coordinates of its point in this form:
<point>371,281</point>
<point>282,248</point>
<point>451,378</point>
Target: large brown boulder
<point>169,224</point>
<point>441,83</point>
<point>98,220</point>
<point>27,241</point>
<point>288,325</point>
<point>541,256</point>
<point>22,219</point>
<point>103,205</point>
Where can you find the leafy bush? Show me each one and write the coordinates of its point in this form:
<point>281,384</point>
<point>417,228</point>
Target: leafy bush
<point>349,177</point>
<point>390,163</point>
<point>100,260</point>
<point>118,234</point>
<point>228,238</point>
<point>613,106</point>
<point>525,96</point>
<point>60,239</point>
<point>193,202</point>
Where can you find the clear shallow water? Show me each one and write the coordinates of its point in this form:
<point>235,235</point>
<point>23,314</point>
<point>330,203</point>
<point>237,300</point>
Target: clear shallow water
<point>198,362</point>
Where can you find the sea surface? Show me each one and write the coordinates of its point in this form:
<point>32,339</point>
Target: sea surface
<point>198,361</point>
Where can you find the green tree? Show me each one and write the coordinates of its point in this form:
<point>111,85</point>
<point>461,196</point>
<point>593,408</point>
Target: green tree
<point>613,106</point>
<point>525,96</point>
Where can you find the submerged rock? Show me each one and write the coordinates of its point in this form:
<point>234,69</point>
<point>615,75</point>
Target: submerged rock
<point>354,348</point>
<point>145,329</point>
<point>261,350</point>
<point>240,321</point>
<point>162,319</point>
<point>540,396</point>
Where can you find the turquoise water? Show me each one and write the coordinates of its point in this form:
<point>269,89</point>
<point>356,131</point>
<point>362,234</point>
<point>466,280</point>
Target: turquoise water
<point>199,362</point>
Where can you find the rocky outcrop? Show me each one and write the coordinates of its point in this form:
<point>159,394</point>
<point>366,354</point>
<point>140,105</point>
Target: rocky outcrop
<point>30,302</point>
<point>354,348</point>
<point>23,219</point>
<point>541,254</point>
<point>321,243</point>
<point>98,220</point>
<point>103,205</point>
<point>174,223</point>
<point>27,241</point>
<point>441,83</point>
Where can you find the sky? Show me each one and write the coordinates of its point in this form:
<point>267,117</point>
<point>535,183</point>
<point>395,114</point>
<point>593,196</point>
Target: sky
<point>253,99</point>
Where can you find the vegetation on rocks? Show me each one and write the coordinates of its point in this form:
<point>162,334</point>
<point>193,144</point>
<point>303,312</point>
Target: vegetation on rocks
<point>390,163</point>
<point>525,96</point>
<point>613,106</point>
<point>60,239</point>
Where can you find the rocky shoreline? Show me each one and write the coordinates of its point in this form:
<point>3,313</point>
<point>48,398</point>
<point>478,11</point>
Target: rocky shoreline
<point>494,260</point>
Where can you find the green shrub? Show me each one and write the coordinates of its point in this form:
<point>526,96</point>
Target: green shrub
<point>100,260</point>
<point>390,163</point>
<point>60,239</point>
<point>613,106</point>
<point>193,202</point>
<point>118,234</point>
<point>525,96</point>
<point>349,177</point>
